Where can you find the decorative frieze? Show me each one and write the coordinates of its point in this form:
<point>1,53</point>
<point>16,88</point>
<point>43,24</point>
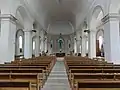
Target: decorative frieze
<point>110,16</point>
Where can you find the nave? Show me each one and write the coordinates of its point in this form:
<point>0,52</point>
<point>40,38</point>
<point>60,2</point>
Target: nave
<point>66,73</point>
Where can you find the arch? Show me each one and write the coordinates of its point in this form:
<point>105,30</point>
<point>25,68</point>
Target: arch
<point>19,43</point>
<point>97,15</point>
<point>23,16</point>
<point>24,13</point>
<point>95,26</point>
<point>100,32</point>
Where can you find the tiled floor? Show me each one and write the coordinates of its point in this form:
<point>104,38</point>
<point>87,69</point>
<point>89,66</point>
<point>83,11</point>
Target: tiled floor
<point>58,79</point>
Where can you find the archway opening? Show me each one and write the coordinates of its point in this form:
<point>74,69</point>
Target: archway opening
<point>100,42</point>
<point>96,25</point>
<point>19,44</point>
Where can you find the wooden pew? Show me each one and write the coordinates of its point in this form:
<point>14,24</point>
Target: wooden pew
<point>15,85</point>
<point>33,78</point>
<point>96,67</point>
<point>34,71</point>
<point>93,76</point>
<point>81,69</point>
<point>98,85</point>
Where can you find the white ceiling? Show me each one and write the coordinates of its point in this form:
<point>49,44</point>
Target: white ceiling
<point>49,11</point>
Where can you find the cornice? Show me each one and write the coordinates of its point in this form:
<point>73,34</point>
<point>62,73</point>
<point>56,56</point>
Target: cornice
<point>110,16</point>
<point>8,17</point>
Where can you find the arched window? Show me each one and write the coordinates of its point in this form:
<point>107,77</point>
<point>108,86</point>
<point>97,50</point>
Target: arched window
<point>33,45</point>
<point>100,41</point>
<point>20,42</point>
<point>87,46</point>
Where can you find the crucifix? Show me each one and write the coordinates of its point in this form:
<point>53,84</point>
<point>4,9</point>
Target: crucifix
<point>60,41</point>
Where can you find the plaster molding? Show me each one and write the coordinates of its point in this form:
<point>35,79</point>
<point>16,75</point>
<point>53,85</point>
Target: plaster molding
<point>8,17</point>
<point>27,30</point>
<point>110,16</point>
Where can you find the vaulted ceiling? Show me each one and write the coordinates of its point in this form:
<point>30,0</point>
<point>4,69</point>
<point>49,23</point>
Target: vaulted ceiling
<point>51,11</point>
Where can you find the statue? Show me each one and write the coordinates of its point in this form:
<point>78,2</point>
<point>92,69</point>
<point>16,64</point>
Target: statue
<point>60,42</point>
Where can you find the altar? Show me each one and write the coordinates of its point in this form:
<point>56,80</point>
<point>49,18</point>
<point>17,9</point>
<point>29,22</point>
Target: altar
<point>60,54</point>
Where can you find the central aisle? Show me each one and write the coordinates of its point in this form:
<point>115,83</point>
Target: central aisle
<point>58,79</point>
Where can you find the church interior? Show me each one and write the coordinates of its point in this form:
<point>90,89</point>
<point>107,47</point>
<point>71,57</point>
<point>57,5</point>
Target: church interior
<point>59,44</point>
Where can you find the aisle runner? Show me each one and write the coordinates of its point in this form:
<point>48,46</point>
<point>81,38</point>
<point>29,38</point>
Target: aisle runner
<point>58,79</point>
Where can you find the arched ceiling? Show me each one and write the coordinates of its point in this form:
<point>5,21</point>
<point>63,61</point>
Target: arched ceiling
<point>50,11</point>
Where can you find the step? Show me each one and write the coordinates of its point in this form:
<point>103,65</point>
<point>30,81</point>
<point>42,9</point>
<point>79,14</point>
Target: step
<point>56,88</point>
<point>56,80</point>
<point>57,84</point>
<point>58,72</point>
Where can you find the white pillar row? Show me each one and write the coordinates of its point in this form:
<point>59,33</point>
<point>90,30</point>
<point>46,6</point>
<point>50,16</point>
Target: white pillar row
<point>92,44</point>
<point>27,44</point>
<point>84,40</point>
<point>111,38</point>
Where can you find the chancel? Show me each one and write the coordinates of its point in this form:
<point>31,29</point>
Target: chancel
<point>59,44</point>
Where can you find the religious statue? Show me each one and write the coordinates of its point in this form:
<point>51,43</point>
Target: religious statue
<point>60,42</point>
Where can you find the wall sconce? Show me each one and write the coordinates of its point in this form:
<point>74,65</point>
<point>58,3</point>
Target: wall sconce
<point>80,37</point>
<point>75,38</point>
<point>34,31</point>
<point>87,31</point>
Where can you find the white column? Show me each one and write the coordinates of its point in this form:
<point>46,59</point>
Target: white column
<point>42,41</point>
<point>45,45</point>
<point>75,46</point>
<point>42,45</point>
<point>37,47</point>
<point>7,38</point>
<point>92,44</point>
<point>78,46</point>
<point>111,38</point>
<point>27,44</point>
<point>83,54</point>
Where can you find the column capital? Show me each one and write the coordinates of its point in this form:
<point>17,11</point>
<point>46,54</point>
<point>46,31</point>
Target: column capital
<point>27,31</point>
<point>110,16</point>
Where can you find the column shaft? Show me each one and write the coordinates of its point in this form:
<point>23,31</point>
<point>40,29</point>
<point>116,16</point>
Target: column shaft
<point>37,49</point>
<point>92,44</point>
<point>83,54</point>
<point>27,44</point>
